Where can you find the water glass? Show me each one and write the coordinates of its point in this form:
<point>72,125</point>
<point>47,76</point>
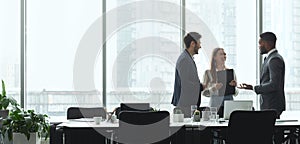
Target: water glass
<point>213,113</point>
<point>205,115</point>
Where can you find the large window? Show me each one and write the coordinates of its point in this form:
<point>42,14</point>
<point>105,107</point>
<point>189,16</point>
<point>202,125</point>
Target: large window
<point>229,24</point>
<point>10,35</point>
<point>282,18</point>
<point>143,44</point>
<point>137,68</point>
<point>65,43</point>
<point>57,44</point>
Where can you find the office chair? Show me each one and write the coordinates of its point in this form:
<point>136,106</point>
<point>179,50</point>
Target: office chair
<point>251,127</point>
<point>143,127</point>
<point>56,134</point>
<point>135,106</point>
<point>221,134</point>
<point>85,135</point>
<point>132,107</point>
<point>85,112</point>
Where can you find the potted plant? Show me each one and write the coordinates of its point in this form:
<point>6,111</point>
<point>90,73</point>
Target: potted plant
<point>154,109</point>
<point>5,102</point>
<point>25,127</point>
<point>196,116</point>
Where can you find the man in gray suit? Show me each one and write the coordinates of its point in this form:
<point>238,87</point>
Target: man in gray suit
<point>187,87</point>
<point>271,86</point>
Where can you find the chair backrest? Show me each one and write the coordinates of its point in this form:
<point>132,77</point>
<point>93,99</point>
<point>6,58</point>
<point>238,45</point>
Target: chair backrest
<point>251,127</point>
<point>56,134</point>
<point>137,127</point>
<point>85,112</point>
<point>132,107</point>
<point>135,106</point>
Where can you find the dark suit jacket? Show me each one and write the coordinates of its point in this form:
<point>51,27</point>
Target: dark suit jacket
<point>271,85</point>
<point>187,85</point>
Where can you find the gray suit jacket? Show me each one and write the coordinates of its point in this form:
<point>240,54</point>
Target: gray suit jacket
<point>187,85</point>
<point>271,85</point>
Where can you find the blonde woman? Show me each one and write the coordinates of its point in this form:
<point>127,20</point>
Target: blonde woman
<point>210,80</point>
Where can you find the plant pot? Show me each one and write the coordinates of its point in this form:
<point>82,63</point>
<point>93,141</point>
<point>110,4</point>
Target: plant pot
<point>178,117</point>
<point>196,118</point>
<point>19,138</point>
<point>4,113</point>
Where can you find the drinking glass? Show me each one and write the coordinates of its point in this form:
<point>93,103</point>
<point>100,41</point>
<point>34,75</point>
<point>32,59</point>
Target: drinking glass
<point>213,113</point>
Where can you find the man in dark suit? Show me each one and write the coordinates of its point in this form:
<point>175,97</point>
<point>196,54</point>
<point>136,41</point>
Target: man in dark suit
<point>271,86</point>
<point>187,87</point>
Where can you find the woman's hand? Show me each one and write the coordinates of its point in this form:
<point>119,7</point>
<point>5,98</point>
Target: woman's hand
<point>218,86</point>
<point>233,83</point>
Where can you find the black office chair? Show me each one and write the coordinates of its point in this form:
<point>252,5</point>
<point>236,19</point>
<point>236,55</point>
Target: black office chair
<point>85,112</point>
<point>132,107</point>
<point>85,135</point>
<point>135,106</point>
<point>56,134</point>
<point>220,134</point>
<point>251,127</point>
<point>143,127</point>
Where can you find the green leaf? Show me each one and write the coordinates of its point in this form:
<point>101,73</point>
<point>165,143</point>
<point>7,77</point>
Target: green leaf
<point>13,102</point>
<point>3,89</point>
<point>5,103</point>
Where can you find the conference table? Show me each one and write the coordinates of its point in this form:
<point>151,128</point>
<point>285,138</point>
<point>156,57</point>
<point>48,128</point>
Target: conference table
<point>180,132</point>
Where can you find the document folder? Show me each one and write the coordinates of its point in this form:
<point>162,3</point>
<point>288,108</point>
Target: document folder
<point>225,77</point>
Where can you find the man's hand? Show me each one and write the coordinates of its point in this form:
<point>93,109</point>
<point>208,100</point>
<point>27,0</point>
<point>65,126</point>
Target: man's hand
<point>245,86</point>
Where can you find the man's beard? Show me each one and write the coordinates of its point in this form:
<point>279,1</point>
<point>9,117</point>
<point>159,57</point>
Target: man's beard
<point>196,50</point>
<point>263,50</point>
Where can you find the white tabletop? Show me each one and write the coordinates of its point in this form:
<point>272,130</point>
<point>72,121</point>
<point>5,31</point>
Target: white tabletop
<point>187,122</point>
<point>81,124</point>
<point>289,118</point>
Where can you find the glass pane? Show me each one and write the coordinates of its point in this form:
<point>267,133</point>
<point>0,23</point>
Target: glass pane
<point>282,18</point>
<point>62,55</point>
<point>229,24</point>
<point>10,47</point>
<point>143,43</point>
